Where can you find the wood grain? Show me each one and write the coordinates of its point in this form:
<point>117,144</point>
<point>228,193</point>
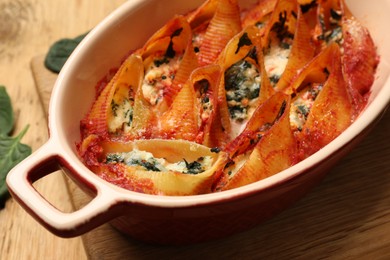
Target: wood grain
<point>346,217</point>
<point>29,27</point>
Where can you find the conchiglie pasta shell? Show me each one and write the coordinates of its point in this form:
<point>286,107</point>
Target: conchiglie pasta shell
<point>188,63</point>
<point>258,13</point>
<point>359,56</point>
<point>171,182</point>
<point>165,34</point>
<point>117,174</point>
<point>144,117</point>
<point>332,111</point>
<point>180,120</point>
<point>262,119</point>
<point>317,70</point>
<point>218,136</point>
<point>282,7</point>
<point>244,46</point>
<point>273,153</point>
<point>125,82</point>
<point>266,89</point>
<point>211,74</point>
<point>222,125</point>
<point>176,35</point>
<point>89,149</point>
<point>154,50</point>
<point>302,51</point>
<point>183,120</point>
<point>360,59</point>
<point>235,50</point>
<point>223,26</point>
<point>203,14</point>
<point>324,7</point>
<point>126,87</point>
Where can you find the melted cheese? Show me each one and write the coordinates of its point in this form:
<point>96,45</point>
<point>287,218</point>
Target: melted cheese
<point>275,61</point>
<point>122,116</point>
<point>242,95</point>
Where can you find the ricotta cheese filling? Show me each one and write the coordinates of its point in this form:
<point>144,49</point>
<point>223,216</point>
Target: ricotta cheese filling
<point>275,61</point>
<point>146,161</point>
<point>122,115</point>
<point>301,106</point>
<point>334,33</point>
<point>203,97</point>
<point>242,85</point>
<point>158,76</point>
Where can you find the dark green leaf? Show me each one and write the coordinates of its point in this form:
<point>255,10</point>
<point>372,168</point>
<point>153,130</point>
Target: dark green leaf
<point>243,41</point>
<point>11,153</point>
<point>6,113</point>
<point>60,51</point>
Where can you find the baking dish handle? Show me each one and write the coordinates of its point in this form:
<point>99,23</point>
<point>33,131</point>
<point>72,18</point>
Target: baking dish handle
<point>39,164</point>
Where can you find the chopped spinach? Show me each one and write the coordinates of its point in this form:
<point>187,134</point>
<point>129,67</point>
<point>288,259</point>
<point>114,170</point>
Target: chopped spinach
<point>215,150</point>
<point>285,45</point>
<point>303,110</point>
<point>323,27</point>
<point>114,158</point>
<point>163,60</point>
<point>253,54</point>
<point>243,41</point>
<point>336,15</point>
<point>114,107</point>
<point>281,28</point>
<point>177,32</point>
<point>281,110</point>
<point>306,7</point>
<point>203,86</point>
<point>256,139</point>
<point>149,165</point>
<point>294,14</point>
<point>334,35</point>
<point>260,24</point>
<point>129,116</point>
<point>237,112</point>
<point>241,83</point>
<point>314,91</point>
<point>234,76</point>
<point>170,52</point>
<point>274,79</point>
<point>326,71</point>
<point>206,99</point>
<point>194,167</point>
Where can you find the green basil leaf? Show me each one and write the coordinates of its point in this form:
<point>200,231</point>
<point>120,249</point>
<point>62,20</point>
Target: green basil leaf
<point>60,51</point>
<point>12,151</point>
<point>6,112</point>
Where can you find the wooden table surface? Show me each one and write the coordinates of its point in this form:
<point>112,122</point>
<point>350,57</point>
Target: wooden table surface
<point>346,217</point>
<point>27,29</point>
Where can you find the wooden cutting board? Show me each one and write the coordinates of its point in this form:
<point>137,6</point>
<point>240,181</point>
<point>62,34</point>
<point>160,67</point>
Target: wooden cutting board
<point>346,216</point>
